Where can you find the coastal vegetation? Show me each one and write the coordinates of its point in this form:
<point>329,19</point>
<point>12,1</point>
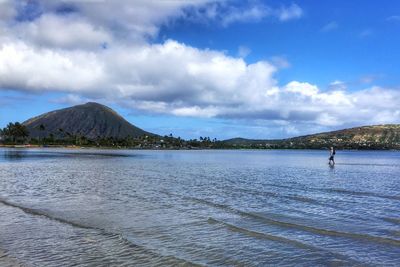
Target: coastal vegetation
<point>381,137</point>
<point>17,134</point>
<point>14,132</point>
<point>367,137</point>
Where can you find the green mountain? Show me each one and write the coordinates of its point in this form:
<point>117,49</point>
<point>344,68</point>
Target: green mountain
<point>367,137</point>
<point>90,120</point>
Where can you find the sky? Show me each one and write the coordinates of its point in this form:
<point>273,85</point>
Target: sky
<point>217,68</point>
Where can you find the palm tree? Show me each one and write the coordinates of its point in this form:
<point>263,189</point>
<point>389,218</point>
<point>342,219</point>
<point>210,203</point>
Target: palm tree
<point>16,131</point>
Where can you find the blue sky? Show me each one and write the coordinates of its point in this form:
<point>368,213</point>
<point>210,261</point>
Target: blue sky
<point>333,40</point>
<point>255,69</point>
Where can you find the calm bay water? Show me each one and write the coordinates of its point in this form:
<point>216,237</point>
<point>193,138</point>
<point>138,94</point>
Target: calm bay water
<point>218,208</point>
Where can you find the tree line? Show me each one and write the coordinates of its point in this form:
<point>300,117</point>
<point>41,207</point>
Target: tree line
<point>17,133</point>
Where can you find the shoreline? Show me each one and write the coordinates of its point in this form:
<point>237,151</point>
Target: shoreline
<point>72,147</point>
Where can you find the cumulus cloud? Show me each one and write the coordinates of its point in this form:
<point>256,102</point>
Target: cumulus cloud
<point>24,67</point>
<point>202,83</point>
<point>71,99</point>
<point>139,19</point>
<point>75,48</point>
<point>69,31</point>
<point>252,13</point>
<point>304,89</point>
<point>224,13</point>
<point>135,20</point>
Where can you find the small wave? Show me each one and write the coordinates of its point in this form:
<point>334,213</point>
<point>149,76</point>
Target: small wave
<point>116,236</point>
<point>311,229</point>
<point>307,200</point>
<point>255,234</point>
<point>337,190</point>
<point>37,212</point>
<point>361,193</point>
<point>279,195</point>
<point>392,220</point>
<point>280,239</point>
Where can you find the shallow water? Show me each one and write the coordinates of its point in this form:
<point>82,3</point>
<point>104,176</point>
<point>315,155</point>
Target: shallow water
<point>219,208</point>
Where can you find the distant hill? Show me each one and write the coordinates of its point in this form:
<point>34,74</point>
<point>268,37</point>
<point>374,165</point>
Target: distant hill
<point>366,137</point>
<point>91,120</point>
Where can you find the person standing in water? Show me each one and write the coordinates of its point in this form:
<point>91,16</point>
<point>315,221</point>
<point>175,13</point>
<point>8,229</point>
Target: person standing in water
<point>332,156</point>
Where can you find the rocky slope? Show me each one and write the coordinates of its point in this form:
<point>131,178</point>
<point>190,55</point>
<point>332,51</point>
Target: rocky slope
<point>91,120</point>
<point>366,137</point>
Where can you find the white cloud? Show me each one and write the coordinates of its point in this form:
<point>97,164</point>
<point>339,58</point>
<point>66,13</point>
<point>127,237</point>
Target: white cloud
<point>69,31</point>
<point>224,13</point>
<point>289,13</point>
<point>28,68</point>
<point>250,14</point>
<point>305,89</point>
<point>196,111</point>
<point>337,85</point>
<point>131,20</point>
<point>202,83</point>
<point>170,77</point>
<point>71,99</point>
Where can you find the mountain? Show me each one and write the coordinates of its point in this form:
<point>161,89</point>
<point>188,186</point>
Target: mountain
<point>94,121</point>
<point>91,120</point>
<point>367,137</point>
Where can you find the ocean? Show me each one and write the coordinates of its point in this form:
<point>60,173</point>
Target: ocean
<point>87,207</point>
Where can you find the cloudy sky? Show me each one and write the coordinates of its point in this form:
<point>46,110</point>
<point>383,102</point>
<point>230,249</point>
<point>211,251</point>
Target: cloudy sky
<point>218,68</point>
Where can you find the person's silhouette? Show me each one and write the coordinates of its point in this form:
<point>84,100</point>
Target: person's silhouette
<point>332,156</point>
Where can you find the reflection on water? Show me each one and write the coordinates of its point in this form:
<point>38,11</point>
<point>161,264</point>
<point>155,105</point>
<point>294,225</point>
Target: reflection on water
<point>218,208</point>
<point>19,154</point>
<point>14,154</point>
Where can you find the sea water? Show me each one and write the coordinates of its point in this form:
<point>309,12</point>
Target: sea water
<point>61,207</point>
